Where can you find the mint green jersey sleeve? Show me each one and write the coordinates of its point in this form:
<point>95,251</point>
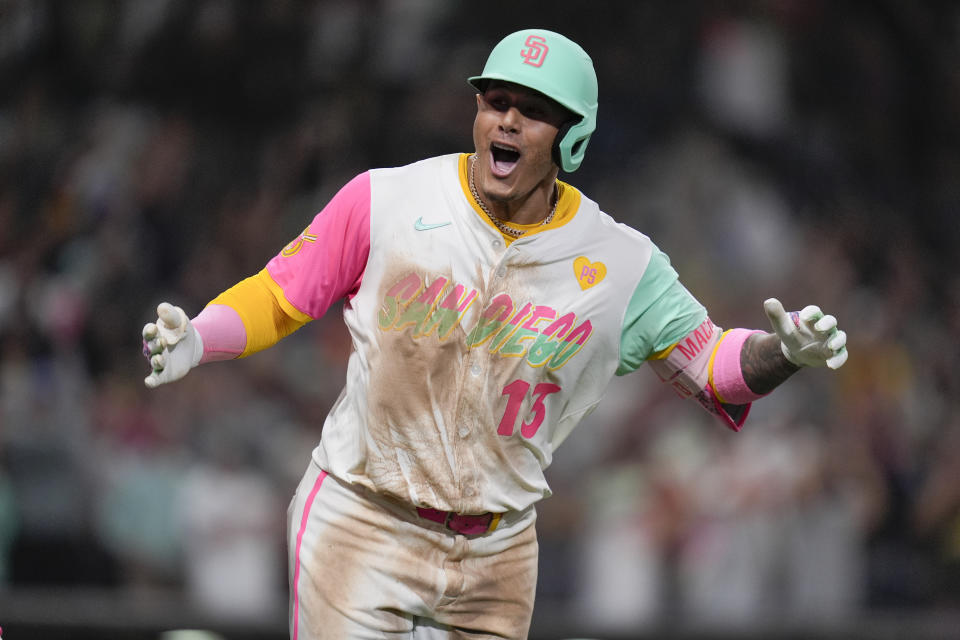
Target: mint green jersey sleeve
<point>661,311</point>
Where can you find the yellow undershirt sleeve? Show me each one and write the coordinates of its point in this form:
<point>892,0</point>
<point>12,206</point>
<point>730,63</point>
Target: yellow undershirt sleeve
<point>266,313</point>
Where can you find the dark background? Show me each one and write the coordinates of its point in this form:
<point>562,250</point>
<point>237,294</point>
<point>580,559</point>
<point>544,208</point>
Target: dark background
<point>158,150</point>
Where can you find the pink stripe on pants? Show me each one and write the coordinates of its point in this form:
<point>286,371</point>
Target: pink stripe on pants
<point>296,571</point>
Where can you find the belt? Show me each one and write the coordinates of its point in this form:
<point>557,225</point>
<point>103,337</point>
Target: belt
<point>468,525</point>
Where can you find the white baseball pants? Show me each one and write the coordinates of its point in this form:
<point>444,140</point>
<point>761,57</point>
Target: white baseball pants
<point>366,567</point>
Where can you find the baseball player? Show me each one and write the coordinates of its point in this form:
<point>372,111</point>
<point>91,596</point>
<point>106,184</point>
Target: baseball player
<point>489,305</point>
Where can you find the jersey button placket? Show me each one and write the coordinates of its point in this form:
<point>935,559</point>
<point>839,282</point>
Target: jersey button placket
<point>504,262</point>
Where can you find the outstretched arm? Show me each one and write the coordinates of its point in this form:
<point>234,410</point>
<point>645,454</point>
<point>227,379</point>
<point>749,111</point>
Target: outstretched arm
<point>807,338</point>
<point>325,263</point>
<point>246,318</point>
<point>726,371</point>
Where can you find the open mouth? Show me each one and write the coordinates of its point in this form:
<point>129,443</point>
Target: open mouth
<point>503,158</point>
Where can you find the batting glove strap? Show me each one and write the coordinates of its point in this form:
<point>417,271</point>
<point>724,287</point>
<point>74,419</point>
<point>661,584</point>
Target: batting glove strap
<point>171,345</point>
<point>808,338</point>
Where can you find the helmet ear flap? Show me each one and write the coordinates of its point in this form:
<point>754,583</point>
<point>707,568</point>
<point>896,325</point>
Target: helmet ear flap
<point>561,134</point>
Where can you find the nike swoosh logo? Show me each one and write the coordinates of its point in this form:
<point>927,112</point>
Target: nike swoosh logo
<point>420,225</point>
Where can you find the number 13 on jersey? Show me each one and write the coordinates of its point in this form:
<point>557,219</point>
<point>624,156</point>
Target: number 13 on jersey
<point>516,391</point>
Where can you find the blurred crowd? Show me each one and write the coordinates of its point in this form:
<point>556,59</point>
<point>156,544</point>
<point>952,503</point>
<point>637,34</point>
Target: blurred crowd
<point>158,150</point>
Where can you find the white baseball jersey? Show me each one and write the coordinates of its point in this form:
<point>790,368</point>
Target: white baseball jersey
<point>473,358</point>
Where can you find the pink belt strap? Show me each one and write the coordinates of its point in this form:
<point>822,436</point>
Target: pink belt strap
<point>468,525</point>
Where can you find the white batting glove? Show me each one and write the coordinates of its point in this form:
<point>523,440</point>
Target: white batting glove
<point>171,345</point>
<point>808,338</point>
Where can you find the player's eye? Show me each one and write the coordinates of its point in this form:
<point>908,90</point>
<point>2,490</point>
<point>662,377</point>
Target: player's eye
<point>534,111</point>
<point>498,102</point>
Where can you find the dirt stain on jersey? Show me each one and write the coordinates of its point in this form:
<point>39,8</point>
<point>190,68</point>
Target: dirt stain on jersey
<point>435,404</point>
<point>414,383</point>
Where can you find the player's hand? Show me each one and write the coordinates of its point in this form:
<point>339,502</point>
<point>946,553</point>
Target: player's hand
<point>171,345</point>
<point>808,338</point>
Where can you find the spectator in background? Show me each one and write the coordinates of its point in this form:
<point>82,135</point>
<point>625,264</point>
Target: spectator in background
<point>9,523</point>
<point>232,525</point>
<point>136,518</point>
<point>117,118</point>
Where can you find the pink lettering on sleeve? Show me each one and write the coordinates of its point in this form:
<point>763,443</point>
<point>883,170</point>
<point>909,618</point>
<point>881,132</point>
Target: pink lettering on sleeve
<point>327,261</point>
<point>705,365</point>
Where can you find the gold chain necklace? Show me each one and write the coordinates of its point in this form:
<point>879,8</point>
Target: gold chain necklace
<point>497,222</point>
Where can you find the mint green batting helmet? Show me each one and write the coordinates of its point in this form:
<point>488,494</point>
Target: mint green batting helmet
<point>558,68</point>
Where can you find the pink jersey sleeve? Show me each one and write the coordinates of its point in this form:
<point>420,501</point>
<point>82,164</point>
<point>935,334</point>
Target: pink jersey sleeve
<point>326,262</point>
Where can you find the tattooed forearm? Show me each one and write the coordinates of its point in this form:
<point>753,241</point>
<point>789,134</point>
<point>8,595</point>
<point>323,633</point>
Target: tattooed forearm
<point>763,363</point>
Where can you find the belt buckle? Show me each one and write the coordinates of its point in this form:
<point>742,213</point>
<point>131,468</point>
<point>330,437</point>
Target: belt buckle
<point>463,524</point>
<point>472,525</point>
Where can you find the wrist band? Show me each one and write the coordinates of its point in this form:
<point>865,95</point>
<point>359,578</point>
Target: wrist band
<point>726,374</point>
